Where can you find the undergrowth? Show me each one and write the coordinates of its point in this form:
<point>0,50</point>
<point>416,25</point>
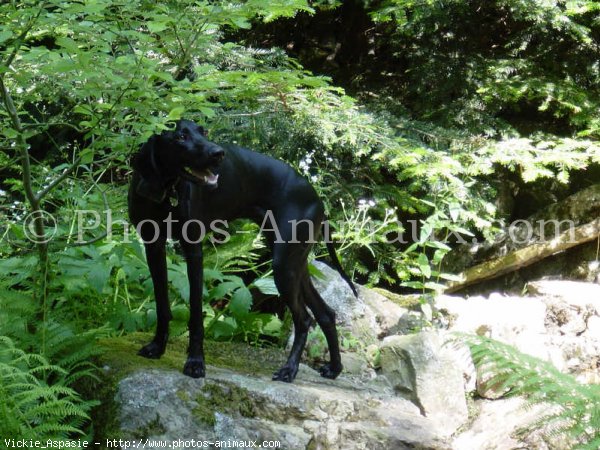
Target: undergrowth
<point>38,401</point>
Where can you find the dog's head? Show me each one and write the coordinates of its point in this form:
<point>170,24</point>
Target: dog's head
<point>182,152</point>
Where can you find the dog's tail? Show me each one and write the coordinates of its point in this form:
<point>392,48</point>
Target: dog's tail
<point>336,264</point>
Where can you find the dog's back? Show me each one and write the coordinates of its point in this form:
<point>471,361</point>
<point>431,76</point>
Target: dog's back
<point>252,183</point>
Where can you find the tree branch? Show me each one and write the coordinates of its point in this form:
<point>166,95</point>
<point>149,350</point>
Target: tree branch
<point>21,144</point>
<point>65,173</point>
<point>524,257</point>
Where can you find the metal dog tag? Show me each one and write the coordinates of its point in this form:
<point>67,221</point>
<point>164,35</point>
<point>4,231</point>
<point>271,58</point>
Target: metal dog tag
<point>173,199</point>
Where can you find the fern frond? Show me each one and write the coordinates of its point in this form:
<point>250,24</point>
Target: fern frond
<point>572,407</point>
<point>33,407</point>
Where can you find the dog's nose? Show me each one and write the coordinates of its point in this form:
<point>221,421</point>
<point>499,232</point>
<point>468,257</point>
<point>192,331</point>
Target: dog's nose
<point>217,154</point>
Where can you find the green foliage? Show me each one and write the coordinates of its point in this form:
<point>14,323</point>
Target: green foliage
<point>154,63</point>
<point>37,400</point>
<point>468,87</point>
<point>470,61</point>
<point>228,303</point>
<point>572,406</point>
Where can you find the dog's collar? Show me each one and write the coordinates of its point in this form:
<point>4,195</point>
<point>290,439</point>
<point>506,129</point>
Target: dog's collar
<point>173,196</point>
<point>171,191</point>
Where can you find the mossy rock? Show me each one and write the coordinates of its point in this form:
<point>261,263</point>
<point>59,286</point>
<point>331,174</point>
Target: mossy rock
<point>120,359</point>
<point>121,355</point>
<point>412,302</point>
<point>225,398</point>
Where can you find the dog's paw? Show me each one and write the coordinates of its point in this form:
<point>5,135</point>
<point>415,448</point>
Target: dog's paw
<point>327,371</point>
<point>152,350</point>
<point>194,367</point>
<point>286,374</point>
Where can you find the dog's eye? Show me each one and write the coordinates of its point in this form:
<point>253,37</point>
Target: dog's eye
<point>181,137</point>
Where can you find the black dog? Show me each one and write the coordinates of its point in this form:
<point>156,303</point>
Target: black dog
<point>182,174</point>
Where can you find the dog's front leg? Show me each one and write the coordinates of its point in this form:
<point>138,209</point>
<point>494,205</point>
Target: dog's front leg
<point>194,366</point>
<point>157,263</point>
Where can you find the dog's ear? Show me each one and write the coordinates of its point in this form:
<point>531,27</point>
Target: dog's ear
<point>151,184</point>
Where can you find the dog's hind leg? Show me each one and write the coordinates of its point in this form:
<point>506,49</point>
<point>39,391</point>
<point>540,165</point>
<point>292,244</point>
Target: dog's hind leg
<point>157,263</point>
<point>288,263</point>
<point>325,317</point>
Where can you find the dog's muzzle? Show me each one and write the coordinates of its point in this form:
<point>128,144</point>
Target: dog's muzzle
<point>206,176</point>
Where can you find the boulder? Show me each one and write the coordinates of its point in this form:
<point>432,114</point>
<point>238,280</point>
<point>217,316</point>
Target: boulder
<point>371,316</point>
<point>352,314</point>
<point>559,321</point>
<point>422,367</point>
<point>311,413</point>
<point>386,311</point>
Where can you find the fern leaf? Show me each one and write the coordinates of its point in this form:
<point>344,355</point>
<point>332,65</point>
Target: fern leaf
<point>572,407</point>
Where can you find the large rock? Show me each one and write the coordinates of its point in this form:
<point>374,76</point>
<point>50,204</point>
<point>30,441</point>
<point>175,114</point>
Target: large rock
<point>512,320</point>
<point>311,413</point>
<point>351,313</point>
<point>369,317</point>
<point>387,313</point>
<point>558,322</point>
<point>422,366</point>
<point>417,400</point>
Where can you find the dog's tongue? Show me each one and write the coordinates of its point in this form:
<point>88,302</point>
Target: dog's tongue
<point>206,176</point>
<point>211,178</point>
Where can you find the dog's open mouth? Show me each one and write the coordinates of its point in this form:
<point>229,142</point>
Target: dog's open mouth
<point>204,176</point>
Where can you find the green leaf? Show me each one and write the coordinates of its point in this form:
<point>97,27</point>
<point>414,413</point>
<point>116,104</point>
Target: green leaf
<point>241,22</point>
<point>212,275</point>
<point>98,277</point>
<point>412,284</point>
<point>223,289</point>
<point>5,35</point>
<point>272,327</point>
<point>87,156</point>
<point>68,44</point>
<point>241,301</point>
<point>265,285</point>
<point>438,245</point>
<point>223,329</point>
<point>423,264</point>
<point>156,26</point>
<point>426,231</point>
<point>455,209</point>
<point>450,277</point>
<point>208,112</point>
<point>176,113</point>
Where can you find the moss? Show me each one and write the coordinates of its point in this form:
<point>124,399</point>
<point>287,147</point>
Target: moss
<point>120,359</point>
<point>105,415</point>
<point>154,428</point>
<point>412,302</point>
<point>183,396</point>
<point>121,355</point>
<point>223,398</point>
<point>244,358</point>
